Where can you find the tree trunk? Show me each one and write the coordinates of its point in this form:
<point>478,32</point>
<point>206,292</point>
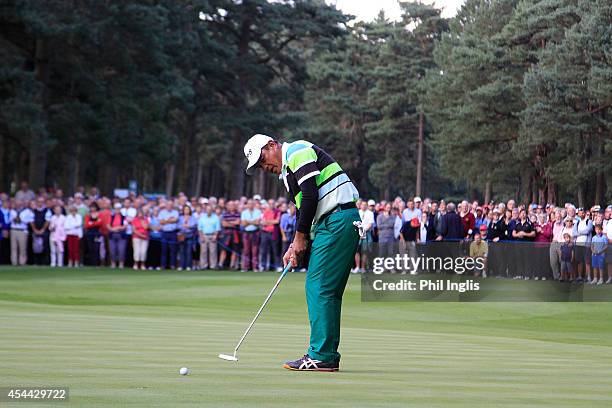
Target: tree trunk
<point>487,196</point>
<point>38,161</point>
<point>580,192</point>
<point>3,186</point>
<point>599,188</point>
<point>38,140</point>
<point>542,194</point>
<point>74,177</point>
<point>419,167</point>
<point>236,176</point>
<point>22,172</point>
<point>170,169</point>
<point>526,187</point>
<point>197,191</point>
<point>552,194</point>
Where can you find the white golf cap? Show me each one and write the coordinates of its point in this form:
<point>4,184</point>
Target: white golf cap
<point>371,202</point>
<point>417,199</point>
<point>252,150</point>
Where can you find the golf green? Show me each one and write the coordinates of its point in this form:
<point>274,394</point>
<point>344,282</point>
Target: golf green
<point>118,338</point>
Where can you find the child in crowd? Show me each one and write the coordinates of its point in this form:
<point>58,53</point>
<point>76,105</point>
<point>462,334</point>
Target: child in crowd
<point>599,246</point>
<point>566,253</point>
<point>57,237</point>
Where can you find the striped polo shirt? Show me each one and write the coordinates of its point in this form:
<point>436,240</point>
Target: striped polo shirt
<point>303,160</point>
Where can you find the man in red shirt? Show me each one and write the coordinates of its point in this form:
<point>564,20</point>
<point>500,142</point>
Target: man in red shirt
<point>105,216</point>
<point>468,221</point>
<point>268,246</point>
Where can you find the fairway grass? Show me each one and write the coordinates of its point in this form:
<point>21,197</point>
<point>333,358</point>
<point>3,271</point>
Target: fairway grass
<point>118,338</point>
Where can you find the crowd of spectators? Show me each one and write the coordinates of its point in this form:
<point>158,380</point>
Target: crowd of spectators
<point>87,229</point>
<point>48,228</point>
<point>520,241</point>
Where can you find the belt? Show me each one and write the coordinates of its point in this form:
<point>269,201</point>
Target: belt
<point>339,207</point>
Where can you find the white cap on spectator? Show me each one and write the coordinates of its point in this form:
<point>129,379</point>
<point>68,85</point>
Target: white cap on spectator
<point>203,200</point>
<point>371,202</point>
<point>117,206</point>
<point>257,197</point>
<point>417,199</point>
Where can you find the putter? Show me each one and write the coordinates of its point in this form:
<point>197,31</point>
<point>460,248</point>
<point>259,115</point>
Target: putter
<point>233,357</point>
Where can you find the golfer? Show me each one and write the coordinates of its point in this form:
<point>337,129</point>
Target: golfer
<point>325,198</point>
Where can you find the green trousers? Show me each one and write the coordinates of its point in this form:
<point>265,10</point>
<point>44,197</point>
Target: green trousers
<point>331,257</point>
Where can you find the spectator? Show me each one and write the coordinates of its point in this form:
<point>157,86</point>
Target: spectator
<point>408,239</point>
<point>104,215</point>
<point>250,219</point>
<point>386,236</point>
<point>599,246</point>
<point>425,229</point>
<point>155,237</point>
<point>479,250</point>
<point>129,213</point>
<point>209,227</point>
<point>566,254</point>
<point>607,227</point>
<point>268,249</point>
<point>93,234</point>
<point>82,208</point>
<point>496,228</point>
<point>40,232</point>
<point>117,238</point>
<point>468,221</point>
<point>583,230</point>
<point>435,218</point>
<point>5,230</point>
<point>140,238</point>
<point>557,241</point>
<point>21,217</point>
<point>418,203</point>
<point>373,207</point>
<point>411,212</point>
<point>230,222</point>
<point>524,232</point>
<point>568,228</point>
<point>452,225</point>
<point>25,194</point>
<point>287,227</point>
<point>396,213</point>
<point>480,219</point>
<point>543,238</point>
<point>168,219</point>
<point>74,233</point>
<point>57,227</point>
<point>187,224</point>
<point>365,242</point>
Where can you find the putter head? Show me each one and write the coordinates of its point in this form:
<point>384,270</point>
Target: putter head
<point>228,357</point>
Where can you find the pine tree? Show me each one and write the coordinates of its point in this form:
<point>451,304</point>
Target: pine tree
<point>568,95</point>
<point>473,99</point>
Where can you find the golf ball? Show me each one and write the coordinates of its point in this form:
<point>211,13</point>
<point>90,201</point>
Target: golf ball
<point>184,371</point>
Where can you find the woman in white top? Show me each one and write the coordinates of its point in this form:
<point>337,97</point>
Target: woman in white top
<point>74,232</point>
<point>57,237</point>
